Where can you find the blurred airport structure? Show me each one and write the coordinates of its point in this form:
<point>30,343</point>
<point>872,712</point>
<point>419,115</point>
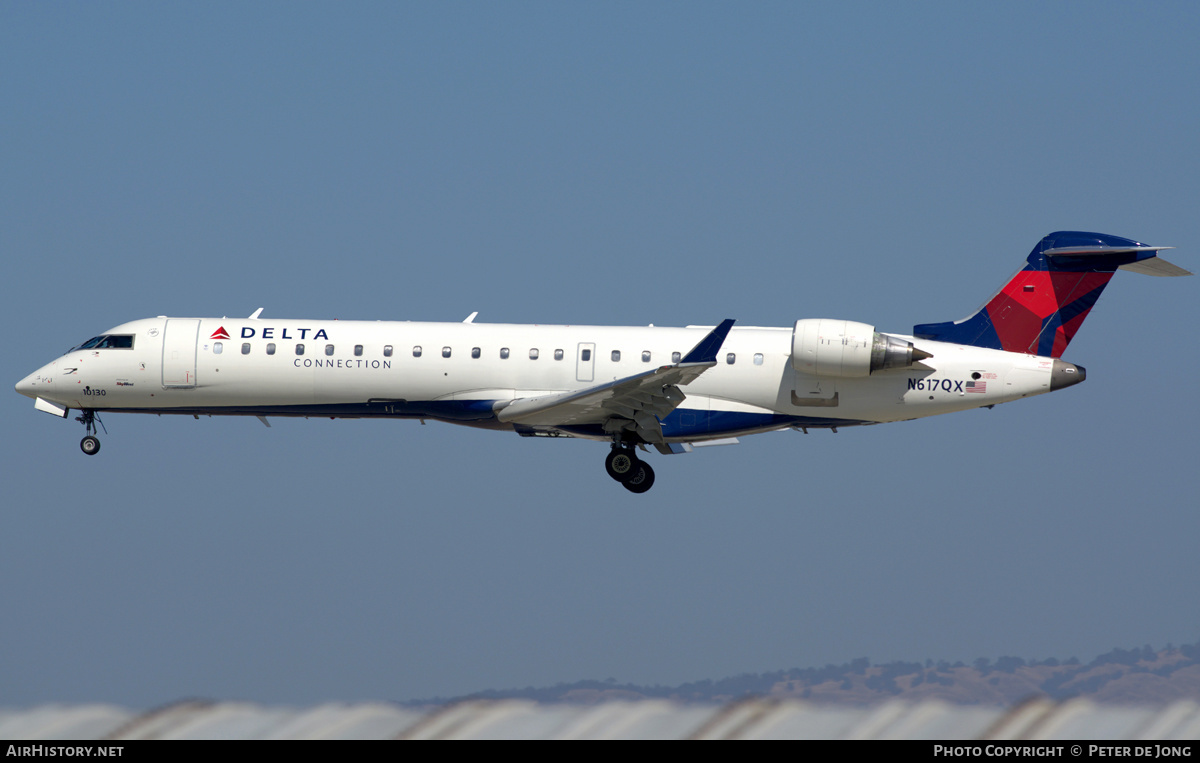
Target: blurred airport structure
<point>649,719</point>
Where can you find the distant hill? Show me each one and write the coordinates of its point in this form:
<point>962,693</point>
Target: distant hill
<point>1124,676</point>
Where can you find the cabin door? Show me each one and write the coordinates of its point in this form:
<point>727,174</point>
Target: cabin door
<point>179,353</point>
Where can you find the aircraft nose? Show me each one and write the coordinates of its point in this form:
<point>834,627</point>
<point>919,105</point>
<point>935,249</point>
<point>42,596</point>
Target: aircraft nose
<point>40,383</point>
<point>27,386</point>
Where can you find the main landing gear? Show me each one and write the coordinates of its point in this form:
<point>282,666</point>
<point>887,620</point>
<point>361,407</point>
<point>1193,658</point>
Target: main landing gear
<point>623,465</point>
<point>90,444</point>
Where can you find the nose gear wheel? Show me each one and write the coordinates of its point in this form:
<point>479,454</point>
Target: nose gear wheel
<point>91,443</point>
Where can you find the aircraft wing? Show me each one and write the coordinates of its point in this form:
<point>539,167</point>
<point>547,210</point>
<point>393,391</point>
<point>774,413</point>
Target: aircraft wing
<point>635,403</point>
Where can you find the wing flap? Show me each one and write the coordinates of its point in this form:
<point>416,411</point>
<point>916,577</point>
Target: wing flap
<point>623,397</point>
<point>635,403</point>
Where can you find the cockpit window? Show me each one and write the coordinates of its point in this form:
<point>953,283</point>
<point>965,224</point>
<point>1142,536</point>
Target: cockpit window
<point>107,342</point>
<point>89,344</point>
<point>116,342</point>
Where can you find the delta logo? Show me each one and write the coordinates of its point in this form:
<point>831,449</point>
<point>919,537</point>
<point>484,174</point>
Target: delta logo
<point>250,332</point>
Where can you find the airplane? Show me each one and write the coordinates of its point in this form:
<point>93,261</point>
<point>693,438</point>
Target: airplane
<point>622,385</point>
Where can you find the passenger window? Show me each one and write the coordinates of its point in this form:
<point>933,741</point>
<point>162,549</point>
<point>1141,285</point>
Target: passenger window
<point>245,348</point>
<point>645,356</point>
<point>475,352</point>
<point>445,352</point>
<point>758,358</point>
<point>585,356</point>
<point>533,354</point>
<point>358,350</point>
<point>329,349</point>
<point>503,353</point>
<point>616,356</point>
<point>676,357</point>
<point>558,354</point>
<point>299,349</point>
<point>217,348</point>
<point>416,351</point>
<point>270,348</point>
<point>387,351</point>
<point>731,358</point>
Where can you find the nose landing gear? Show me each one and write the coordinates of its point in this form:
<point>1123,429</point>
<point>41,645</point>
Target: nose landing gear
<point>623,465</point>
<point>90,444</point>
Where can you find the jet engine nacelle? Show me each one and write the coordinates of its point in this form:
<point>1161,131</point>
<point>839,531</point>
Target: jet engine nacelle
<point>826,347</point>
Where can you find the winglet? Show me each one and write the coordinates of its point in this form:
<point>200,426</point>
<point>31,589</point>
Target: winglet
<point>706,351</point>
<point>254,315</point>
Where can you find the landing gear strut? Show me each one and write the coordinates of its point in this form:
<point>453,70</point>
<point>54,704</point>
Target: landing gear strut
<point>90,444</point>
<point>623,465</point>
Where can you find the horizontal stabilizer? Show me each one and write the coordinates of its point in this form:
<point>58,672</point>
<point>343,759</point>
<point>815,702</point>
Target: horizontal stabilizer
<point>1093,250</point>
<point>1155,267</point>
<point>1150,266</point>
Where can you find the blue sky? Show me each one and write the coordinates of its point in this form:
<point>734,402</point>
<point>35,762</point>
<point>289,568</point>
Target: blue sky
<point>617,163</point>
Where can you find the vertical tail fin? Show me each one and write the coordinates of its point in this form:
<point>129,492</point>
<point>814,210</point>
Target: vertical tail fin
<point>1039,310</point>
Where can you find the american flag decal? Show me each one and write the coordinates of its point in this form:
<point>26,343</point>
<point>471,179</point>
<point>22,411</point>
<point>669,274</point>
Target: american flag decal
<point>976,386</point>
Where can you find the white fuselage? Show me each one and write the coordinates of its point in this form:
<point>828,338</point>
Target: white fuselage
<point>465,372</point>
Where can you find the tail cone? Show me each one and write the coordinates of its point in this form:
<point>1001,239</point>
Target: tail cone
<point>1066,374</point>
